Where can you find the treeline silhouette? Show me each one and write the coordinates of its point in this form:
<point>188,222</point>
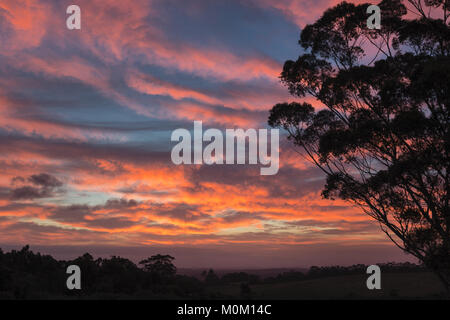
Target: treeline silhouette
<point>28,275</point>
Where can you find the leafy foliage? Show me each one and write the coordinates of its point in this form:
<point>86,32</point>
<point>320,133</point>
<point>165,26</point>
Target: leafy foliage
<point>382,135</point>
<point>28,275</point>
<point>161,266</point>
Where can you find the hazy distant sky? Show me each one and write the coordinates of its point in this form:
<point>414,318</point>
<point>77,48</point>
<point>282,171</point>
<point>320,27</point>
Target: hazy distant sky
<point>85,124</point>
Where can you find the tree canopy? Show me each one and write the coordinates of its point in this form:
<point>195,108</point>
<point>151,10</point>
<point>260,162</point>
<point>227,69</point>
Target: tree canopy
<point>160,265</point>
<point>380,130</point>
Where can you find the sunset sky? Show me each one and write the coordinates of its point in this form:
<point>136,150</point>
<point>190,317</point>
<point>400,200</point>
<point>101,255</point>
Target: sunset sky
<point>85,123</point>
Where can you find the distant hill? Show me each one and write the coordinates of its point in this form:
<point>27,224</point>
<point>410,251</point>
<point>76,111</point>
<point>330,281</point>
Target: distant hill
<point>262,273</point>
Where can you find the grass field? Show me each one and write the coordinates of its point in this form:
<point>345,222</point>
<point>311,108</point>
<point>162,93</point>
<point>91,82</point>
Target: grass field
<point>393,286</point>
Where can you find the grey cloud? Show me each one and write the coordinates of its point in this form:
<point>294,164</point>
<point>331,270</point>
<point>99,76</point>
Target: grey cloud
<point>73,213</point>
<point>45,180</point>
<point>120,203</point>
<point>42,185</point>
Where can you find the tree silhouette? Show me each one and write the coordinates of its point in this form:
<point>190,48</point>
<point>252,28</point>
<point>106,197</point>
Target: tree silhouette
<point>160,265</point>
<point>119,275</point>
<point>91,271</point>
<point>25,274</point>
<point>211,277</point>
<point>382,135</point>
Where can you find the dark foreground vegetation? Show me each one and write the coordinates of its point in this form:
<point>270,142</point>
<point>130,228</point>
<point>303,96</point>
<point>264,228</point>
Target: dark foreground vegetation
<point>28,275</point>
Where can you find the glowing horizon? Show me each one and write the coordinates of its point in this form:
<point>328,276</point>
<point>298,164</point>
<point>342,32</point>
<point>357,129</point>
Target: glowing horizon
<point>86,118</point>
